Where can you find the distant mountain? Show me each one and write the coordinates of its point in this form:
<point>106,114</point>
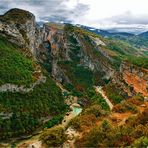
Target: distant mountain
<point>144,34</point>
<point>107,33</point>
<point>97,31</point>
<point>139,41</point>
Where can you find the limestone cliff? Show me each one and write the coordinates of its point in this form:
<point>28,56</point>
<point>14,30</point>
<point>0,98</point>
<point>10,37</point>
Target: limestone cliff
<point>63,49</point>
<point>19,27</point>
<point>63,46</point>
<point>74,46</point>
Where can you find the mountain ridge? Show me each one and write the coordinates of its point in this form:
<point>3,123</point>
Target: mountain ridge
<point>137,40</point>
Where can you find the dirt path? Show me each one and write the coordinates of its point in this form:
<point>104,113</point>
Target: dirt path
<point>100,90</point>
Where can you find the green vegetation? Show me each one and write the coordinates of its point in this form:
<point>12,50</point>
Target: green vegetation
<point>82,78</point>
<point>22,113</point>
<point>95,98</point>
<point>132,133</point>
<point>88,117</point>
<point>125,51</point>
<point>126,106</point>
<point>115,93</point>
<point>54,121</point>
<point>138,61</point>
<point>54,137</point>
<point>122,49</point>
<point>83,121</point>
<point>55,25</point>
<point>27,109</point>
<point>141,142</point>
<point>14,67</point>
<point>95,110</point>
<point>137,41</point>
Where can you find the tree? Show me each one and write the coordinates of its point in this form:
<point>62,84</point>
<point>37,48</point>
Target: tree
<point>54,136</point>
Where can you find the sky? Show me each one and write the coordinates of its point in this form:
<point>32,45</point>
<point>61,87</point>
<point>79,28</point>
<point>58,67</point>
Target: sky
<point>103,14</point>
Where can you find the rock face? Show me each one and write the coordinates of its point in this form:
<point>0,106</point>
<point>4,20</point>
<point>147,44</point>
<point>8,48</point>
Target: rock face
<point>61,50</point>
<point>131,80</point>
<point>22,89</point>
<point>19,27</point>
<point>58,50</point>
<point>54,45</point>
<point>135,77</point>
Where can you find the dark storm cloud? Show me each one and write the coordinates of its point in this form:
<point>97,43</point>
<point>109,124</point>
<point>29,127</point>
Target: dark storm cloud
<point>46,9</point>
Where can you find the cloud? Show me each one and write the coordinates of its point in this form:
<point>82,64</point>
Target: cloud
<point>129,18</point>
<point>47,9</point>
<point>96,13</point>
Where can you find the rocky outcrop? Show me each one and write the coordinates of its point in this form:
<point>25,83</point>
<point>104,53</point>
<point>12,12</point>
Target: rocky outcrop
<point>15,88</point>
<point>94,58</point>
<point>98,43</point>
<point>19,27</point>
<point>135,77</point>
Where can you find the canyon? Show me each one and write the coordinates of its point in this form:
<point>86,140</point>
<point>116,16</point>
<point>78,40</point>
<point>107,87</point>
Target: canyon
<point>63,61</point>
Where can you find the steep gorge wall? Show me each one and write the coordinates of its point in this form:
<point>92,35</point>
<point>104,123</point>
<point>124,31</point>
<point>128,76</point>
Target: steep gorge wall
<point>135,77</point>
<point>61,50</point>
<point>29,36</point>
<point>58,51</point>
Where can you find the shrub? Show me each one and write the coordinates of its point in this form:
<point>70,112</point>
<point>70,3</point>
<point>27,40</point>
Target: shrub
<point>142,142</point>
<point>55,120</point>
<point>54,136</point>
<point>135,101</point>
<point>141,130</point>
<point>95,110</point>
<point>97,136</point>
<point>118,108</point>
<point>83,121</point>
<point>138,61</point>
<point>143,117</point>
<point>130,107</point>
<point>115,93</point>
<point>97,99</point>
<point>127,135</point>
<point>125,106</point>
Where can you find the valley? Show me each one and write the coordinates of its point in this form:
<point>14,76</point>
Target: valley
<point>66,86</point>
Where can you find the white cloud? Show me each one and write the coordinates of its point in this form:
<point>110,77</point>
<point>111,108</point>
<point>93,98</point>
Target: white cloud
<point>96,13</point>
